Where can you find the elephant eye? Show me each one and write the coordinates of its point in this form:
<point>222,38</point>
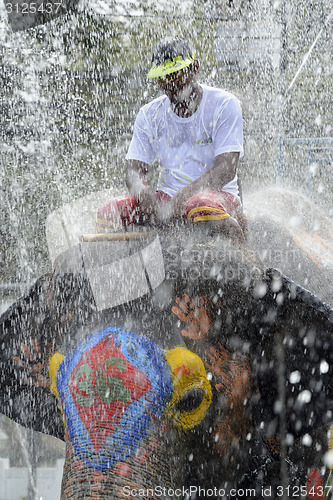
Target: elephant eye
<point>192,399</point>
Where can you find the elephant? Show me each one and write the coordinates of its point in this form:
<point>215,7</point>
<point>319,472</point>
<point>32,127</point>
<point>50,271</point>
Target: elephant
<point>210,377</point>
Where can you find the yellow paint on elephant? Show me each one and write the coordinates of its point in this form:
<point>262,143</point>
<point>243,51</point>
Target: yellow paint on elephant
<point>187,373</point>
<point>329,481</point>
<point>330,444</point>
<point>54,364</point>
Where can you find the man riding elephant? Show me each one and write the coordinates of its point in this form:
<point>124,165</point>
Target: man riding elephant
<point>195,132</point>
<point>208,378</point>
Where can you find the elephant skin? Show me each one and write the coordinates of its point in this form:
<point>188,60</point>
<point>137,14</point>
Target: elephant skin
<point>289,232</point>
<point>248,327</point>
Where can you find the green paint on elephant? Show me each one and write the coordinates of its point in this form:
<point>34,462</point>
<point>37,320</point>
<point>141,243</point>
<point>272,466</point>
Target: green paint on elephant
<point>109,388</point>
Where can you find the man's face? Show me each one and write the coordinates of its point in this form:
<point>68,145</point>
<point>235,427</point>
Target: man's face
<point>176,85</point>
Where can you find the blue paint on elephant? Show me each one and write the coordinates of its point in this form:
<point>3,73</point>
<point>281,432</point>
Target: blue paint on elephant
<point>112,389</point>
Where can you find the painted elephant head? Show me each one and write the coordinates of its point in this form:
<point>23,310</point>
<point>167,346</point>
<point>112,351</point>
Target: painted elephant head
<point>127,404</point>
<point>191,385</point>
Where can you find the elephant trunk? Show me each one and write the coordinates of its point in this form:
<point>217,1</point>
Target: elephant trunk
<point>154,465</point>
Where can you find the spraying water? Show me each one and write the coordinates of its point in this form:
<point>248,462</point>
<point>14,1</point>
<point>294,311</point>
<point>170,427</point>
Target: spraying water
<point>308,54</point>
<point>70,100</point>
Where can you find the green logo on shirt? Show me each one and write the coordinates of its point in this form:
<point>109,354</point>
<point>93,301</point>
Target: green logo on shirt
<point>204,142</point>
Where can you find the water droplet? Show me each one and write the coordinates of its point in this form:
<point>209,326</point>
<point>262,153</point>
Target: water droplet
<point>304,396</point>
<point>295,377</point>
<point>324,367</point>
<point>307,440</point>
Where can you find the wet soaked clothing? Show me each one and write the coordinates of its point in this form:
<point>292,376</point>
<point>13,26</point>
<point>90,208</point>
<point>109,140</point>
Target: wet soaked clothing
<point>121,211</point>
<point>186,148</point>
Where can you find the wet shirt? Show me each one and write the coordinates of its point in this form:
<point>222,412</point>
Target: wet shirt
<point>186,147</point>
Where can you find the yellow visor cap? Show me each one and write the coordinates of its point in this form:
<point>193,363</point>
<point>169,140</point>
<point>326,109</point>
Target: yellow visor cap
<point>169,66</point>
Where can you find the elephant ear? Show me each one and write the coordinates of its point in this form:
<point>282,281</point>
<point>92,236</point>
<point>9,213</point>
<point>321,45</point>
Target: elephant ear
<point>31,330</point>
<point>283,329</point>
<point>293,357</point>
<point>192,394</point>
<point>265,342</point>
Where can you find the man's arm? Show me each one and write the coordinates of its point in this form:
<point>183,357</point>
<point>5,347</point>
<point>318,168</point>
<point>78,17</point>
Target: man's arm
<point>138,185</point>
<point>223,171</point>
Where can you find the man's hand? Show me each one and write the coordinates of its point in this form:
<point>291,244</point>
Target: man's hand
<point>165,212</point>
<point>223,171</point>
<point>147,201</point>
<point>138,184</point>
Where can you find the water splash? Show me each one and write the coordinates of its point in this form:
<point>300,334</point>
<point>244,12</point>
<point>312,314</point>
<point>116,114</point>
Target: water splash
<point>308,54</point>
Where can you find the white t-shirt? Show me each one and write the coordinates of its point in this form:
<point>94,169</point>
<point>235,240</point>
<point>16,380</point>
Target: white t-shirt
<point>186,147</point>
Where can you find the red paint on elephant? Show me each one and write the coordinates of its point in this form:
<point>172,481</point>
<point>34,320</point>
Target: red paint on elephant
<point>182,370</point>
<point>142,456</point>
<point>103,384</point>
<point>122,470</point>
<point>33,360</point>
<point>98,477</point>
<point>314,485</point>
